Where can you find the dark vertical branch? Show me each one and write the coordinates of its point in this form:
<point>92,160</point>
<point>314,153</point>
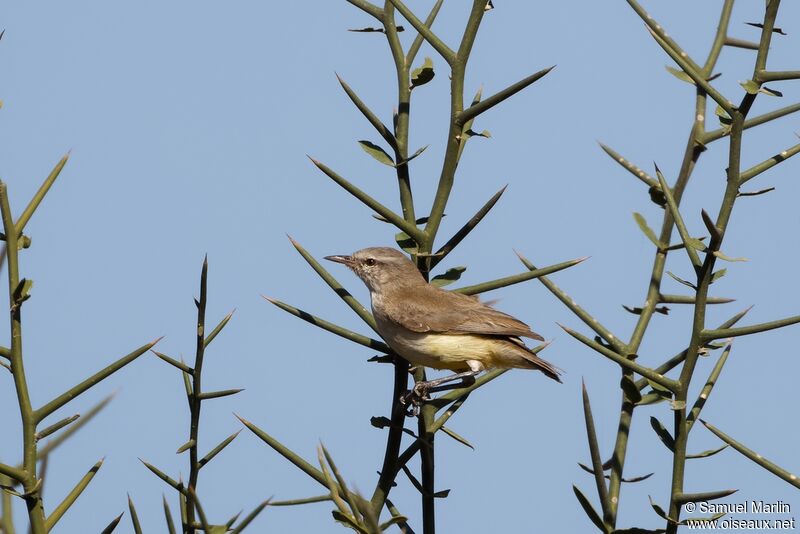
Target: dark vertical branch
<point>390,466</point>
<point>196,400</point>
<point>427,462</point>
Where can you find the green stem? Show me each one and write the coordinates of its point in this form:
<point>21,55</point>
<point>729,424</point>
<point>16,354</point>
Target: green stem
<point>7,517</point>
<point>766,35</point>
<point>454,134</point>
<point>681,424</point>
<point>419,39</point>
<point>30,483</point>
<point>719,133</point>
<point>719,39</point>
<point>775,75</point>
<point>652,299</point>
<point>402,63</point>
<point>425,31</point>
<point>367,7</point>
<point>691,155</point>
<point>403,112</point>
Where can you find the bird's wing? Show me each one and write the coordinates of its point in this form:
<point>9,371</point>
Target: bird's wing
<point>454,313</point>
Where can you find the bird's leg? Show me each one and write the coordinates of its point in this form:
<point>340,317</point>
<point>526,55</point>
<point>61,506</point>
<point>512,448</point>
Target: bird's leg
<point>431,386</point>
<point>421,391</point>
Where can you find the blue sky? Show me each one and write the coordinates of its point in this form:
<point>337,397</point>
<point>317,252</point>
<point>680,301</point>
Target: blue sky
<point>189,124</point>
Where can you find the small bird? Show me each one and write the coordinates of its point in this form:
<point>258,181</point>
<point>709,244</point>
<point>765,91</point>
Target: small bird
<point>433,327</point>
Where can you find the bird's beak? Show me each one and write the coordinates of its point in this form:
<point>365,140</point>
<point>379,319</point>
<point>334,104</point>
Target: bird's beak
<point>344,260</point>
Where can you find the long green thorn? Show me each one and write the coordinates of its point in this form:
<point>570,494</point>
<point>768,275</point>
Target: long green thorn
<point>755,170</point>
<point>178,486</point>
<point>419,39</point>
<point>437,44</point>
<point>111,526</point>
<point>40,194</point>
<point>71,497</point>
<point>55,427</point>
<point>330,327</point>
<point>334,284</point>
<point>676,360</point>
<point>250,517</point>
<point>622,361</point>
<point>754,456</point>
<point>710,335</point>
<point>466,229</point>
<point>594,451</point>
<point>137,527</point>
<point>93,380</point>
<point>216,450</point>
<point>307,500</point>
<point>373,119</point>
<point>168,516</point>
<point>284,451</point>
<point>688,242</point>
<point>409,228</point>
<point>582,314</point>
<point>689,299</point>
<point>90,414</point>
<point>217,329</point>
<point>630,167</point>
<point>517,278</point>
<point>488,103</point>
<point>697,407</point>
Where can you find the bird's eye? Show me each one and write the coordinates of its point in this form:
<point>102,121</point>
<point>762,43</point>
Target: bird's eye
<point>370,262</point>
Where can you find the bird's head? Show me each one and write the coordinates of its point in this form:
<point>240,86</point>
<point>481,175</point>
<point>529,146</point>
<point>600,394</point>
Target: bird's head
<point>379,267</point>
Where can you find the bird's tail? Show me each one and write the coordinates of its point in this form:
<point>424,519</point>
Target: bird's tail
<point>531,361</point>
<point>544,366</point>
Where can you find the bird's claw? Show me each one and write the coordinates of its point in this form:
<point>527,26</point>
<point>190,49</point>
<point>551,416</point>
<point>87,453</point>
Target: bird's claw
<point>415,398</point>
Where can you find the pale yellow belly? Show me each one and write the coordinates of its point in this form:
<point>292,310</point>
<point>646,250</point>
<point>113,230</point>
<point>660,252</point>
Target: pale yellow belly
<point>453,352</point>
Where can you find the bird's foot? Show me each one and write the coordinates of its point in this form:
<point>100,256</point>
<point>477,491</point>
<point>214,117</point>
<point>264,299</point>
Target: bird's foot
<point>422,390</point>
<point>415,397</point>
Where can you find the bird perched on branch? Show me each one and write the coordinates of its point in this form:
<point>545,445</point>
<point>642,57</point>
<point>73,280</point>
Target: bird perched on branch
<point>432,327</point>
